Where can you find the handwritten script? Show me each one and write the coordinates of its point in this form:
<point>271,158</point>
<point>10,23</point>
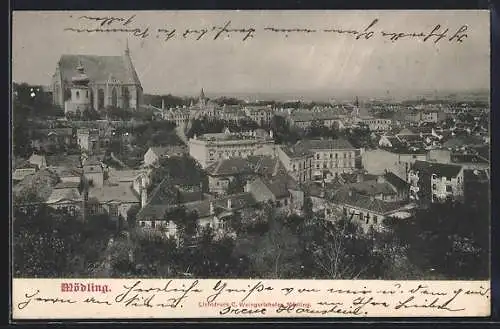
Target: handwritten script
<point>228,30</point>
<point>106,298</point>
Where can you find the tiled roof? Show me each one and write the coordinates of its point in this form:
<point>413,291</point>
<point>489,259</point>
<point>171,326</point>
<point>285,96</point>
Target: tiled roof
<point>440,169</point>
<point>98,68</point>
<point>122,193</point>
<point>64,194</point>
<point>293,152</point>
<point>370,188</point>
<point>324,144</point>
<point>395,181</point>
<point>367,203</point>
<point>124,175</point>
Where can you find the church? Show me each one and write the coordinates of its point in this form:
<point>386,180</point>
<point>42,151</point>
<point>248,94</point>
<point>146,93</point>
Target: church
<point>112,82</point>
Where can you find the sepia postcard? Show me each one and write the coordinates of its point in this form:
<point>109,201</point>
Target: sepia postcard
<point>250,164</point>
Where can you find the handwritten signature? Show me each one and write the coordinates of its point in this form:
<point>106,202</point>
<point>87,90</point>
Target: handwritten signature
<point>108,24</point>
<point>234,298</point>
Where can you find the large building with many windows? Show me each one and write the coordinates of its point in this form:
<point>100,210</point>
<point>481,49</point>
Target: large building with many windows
<point>210,148</point>
<point>330,156</point>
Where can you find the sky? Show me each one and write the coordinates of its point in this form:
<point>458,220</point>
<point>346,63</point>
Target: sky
<point>269,62</point>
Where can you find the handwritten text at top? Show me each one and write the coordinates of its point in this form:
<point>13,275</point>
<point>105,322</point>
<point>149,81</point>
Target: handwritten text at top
<point>227,30</point>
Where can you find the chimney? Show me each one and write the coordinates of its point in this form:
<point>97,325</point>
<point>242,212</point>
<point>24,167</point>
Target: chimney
<point>229,204</point>
<point>144,192</point>
<point>212,208</point>
<point>162,104</point>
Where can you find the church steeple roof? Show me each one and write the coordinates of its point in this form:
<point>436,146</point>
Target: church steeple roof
<point>81,78</point>
<point>202,94</point>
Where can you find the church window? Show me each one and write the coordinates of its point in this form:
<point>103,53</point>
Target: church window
<point>114,97</point>
<point>100,98</point>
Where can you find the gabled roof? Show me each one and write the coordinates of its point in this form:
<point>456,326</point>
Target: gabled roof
<point>121,193</point>
<point>395,181</point>
<point>99,68</point>
<point>370,188</point>
<point>70,194</point>
<point>440,169</point>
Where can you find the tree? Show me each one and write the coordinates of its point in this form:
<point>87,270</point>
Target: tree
<point>132,215</point>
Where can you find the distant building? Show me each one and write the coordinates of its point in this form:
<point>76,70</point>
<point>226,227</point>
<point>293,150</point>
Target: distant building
<point>93,173</point>
<point>113,81</point>
<point>209,148</point>
<point>377,124</point>
<point>262,115</point>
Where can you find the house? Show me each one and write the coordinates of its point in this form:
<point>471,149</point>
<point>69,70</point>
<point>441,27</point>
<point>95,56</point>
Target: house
<point>67,196</point>
<point>438,182</point>
<point>367,210</point>
<point>137,177</point>
<point>281,190</point>
<point>115,199</point>
<point>208,212</point>
<point>24,169</point>
<point>155,153</point>
<point>226,171</point>
<point>38,160</point>
<point>297,162</point>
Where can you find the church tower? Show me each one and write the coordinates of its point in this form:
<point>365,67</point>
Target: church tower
<point>80,92</point>
<point>202,100</point>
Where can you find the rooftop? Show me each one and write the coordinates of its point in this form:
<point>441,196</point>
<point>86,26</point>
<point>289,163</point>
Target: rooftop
<point>368,203</point>
<point>121,193</point>
<point>440,169</point>
<point>323,144</point>
<point>69,194</point>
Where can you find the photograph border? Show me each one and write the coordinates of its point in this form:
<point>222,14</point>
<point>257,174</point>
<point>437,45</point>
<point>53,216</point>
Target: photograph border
<point>494,8</point>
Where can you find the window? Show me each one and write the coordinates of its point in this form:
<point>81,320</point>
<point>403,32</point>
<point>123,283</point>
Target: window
<point>317,156</point>
<point>345,155</point>
<point>433,186</point>
<point>336,156</point>
<point>77,94</point>
<point>317,166</point>
<point>375,219</point>
<point>143,224</point>
<point>113,210</point>
<point>278,203</point>
<point>324,165</point>
<point>153,224</point>
<point>449,188</point>
<point>286,202</point>
<point>331,155</point>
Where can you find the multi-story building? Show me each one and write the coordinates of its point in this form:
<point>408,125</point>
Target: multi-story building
<point>439,182</point>
<point>330,156</point>
<point>260,114</point>
<point>209,148</point>
<point>297,161</point>
<point>377,124</point>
